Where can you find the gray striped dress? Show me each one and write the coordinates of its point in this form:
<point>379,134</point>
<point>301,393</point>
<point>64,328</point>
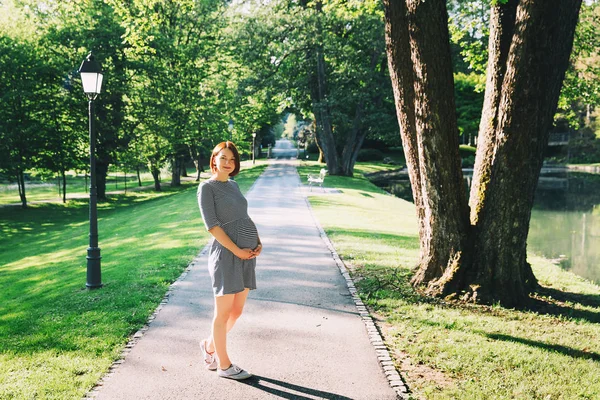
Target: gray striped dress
<point>223,204</point>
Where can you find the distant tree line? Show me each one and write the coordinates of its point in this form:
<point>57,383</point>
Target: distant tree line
<point>178,72</point>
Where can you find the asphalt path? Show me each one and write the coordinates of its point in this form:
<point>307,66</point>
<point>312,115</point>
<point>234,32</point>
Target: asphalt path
<point>300,335</point>
<point>284,148</point>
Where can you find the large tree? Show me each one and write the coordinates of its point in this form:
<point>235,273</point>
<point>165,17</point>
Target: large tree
<point>328,56</point>
<point>476,249</point>
<point>22,77</point>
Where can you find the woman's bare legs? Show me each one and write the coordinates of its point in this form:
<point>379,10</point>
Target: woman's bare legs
<point>228,309</point>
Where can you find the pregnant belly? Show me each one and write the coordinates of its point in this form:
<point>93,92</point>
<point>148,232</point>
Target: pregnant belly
<point>247,234</point>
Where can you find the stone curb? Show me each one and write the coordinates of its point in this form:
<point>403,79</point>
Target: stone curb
<point>383,355</point>
<point>140,333</point>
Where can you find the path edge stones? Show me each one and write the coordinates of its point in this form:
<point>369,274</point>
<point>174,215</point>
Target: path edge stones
<point>383,355</point>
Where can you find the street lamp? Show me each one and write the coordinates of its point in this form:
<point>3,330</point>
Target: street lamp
<point>230,127</point>
<point>253,148</point>
<point>91,78</point>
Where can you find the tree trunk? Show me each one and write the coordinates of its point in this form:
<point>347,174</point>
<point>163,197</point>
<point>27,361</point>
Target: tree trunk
<point>357,135</point>
<point>137,170</point>
<point>321,157</point>
<point>198,166</point>
<point>64,185</point>
<point>502,24</point>
<point>101,174</point>
<point>182,157</point>
<point>529,51</point>
<point>424,94</point>
<point>21,186</point>
<point>195,155</point>
<point>535,69</point>
<point>353,143</point>
<point>318,90</point>
<point>176,171</point>
<point>156,175</point>
<point>327,142</point>
<point>400,66</point>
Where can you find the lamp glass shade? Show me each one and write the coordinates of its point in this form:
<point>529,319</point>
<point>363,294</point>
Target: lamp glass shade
<point>92,82</point>
<point>253,134</point>
<point>230,125</point>
<point>91,75</point>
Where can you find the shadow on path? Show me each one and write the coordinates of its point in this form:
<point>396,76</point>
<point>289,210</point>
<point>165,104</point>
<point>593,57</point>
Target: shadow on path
<point>287,390</point>
<point>317,306</point>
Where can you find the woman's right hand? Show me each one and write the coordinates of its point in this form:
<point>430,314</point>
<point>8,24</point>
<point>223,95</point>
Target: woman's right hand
<point>245,254</point>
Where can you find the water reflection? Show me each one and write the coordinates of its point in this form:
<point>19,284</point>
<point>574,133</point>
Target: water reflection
<point>565,221</point>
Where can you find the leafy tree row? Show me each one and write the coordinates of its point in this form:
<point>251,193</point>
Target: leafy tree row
<point>177,72</point>
<point>328,60</point>
<point>172,83</point>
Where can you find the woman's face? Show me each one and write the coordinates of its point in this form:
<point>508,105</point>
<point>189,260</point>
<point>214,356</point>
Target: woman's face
<point>225,162</point>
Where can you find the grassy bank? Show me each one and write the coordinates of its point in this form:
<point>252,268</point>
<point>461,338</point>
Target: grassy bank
<point>56,337</point>
<point>454,351</point>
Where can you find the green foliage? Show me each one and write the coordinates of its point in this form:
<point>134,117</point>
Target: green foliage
<point>279,42</point>
<point>19,126</point>
<point>469,103</point>
<point>370,155</point>
<point>172,82</point>
<point>467,154</point>
<point>581,87</point>
<point>584,148</point>
<point>466,150</point>
<point>469,31</point>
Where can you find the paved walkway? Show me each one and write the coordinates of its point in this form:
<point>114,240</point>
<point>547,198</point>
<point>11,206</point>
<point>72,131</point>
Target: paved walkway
<point>300,335</point>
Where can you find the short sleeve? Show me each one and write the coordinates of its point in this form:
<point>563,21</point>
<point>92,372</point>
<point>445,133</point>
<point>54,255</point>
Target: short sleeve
<point>206,201</point>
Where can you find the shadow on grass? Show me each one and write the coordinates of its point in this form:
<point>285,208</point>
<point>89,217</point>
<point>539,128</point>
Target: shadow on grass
<point>550,301</point>
<point>44,221</point>
<point>394,283</point>
<point>565,350</point>
<point>286,390</point>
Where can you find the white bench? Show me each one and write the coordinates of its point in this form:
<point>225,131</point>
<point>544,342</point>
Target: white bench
<point>317,179</point>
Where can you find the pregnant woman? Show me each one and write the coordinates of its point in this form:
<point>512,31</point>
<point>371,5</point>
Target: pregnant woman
<point>232,258</point>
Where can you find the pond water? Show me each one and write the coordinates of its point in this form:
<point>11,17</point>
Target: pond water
<point>565,221</point>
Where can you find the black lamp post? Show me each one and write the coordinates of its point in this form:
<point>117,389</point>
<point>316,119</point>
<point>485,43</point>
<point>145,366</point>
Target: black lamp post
<point>253,147</point>
<point>230,127</point>
<point>91,78</point>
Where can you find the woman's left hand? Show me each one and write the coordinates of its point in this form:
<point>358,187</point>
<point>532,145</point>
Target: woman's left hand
<point>256,251</point>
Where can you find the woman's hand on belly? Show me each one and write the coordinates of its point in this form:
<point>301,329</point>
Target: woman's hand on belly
<point>245,254</point>
<point>256,251</point>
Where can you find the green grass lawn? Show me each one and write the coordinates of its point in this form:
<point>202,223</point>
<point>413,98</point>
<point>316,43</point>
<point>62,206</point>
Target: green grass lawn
<point>57,338</point>
<point>461,351</point>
